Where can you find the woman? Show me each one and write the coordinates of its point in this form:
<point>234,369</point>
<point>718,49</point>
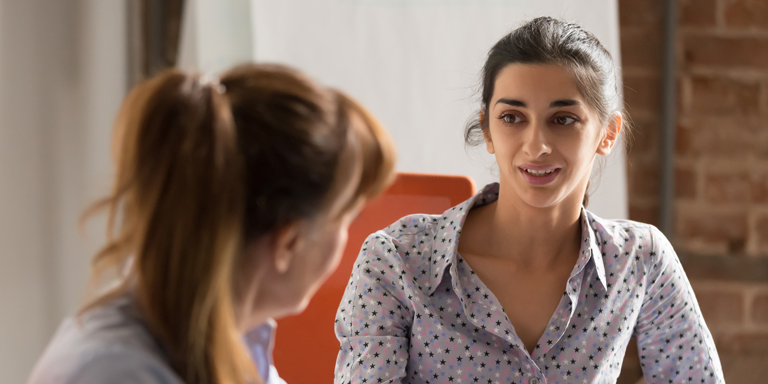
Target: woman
<point>521,284</point>
<point>230,207</point>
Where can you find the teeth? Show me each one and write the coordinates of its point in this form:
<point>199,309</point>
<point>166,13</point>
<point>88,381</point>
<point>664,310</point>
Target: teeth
<point>539,173</point>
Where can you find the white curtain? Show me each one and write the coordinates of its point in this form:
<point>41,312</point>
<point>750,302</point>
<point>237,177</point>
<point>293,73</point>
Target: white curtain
<point>414,63</point>
<point>63,72</point>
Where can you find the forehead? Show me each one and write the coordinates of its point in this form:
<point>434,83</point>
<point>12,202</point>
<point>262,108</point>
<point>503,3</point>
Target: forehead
<point>535,84</point>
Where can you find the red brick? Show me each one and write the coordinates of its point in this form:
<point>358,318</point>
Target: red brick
<point>743,368</point>
<point>721,308</point>
<point>640,12</point>
<point>761,228</point>
<point>747,186</point>
<point>746,14</point>
<point>746,343</point>
<point>758,186</point>
<point>644,179</point>
<point>727,187</point>
<point>683,137</point>
<point>642,93</point>
<point>724,96</point>
<point>712,227</point>
<point>725,268</point>
<point>760,309</point>
<point>726,52</point>
<point>727,137</point>
<point>641,48</point>
<point>685,183</point>
<point>697,13</point>
<point>644,213</point>
<point>645,141</point>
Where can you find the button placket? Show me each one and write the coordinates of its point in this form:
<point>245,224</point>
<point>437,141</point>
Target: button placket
<point>505,331</point>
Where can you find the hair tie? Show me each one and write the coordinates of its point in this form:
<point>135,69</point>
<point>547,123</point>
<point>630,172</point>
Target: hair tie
<point>213,82</point>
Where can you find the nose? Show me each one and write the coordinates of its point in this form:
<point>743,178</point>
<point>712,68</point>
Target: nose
<point>536,142</point>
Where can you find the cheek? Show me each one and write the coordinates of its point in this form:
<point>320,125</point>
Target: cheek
<point>329,253</point>
<point>578,149</point>
<point>337,250</point>
<point>504,143</point>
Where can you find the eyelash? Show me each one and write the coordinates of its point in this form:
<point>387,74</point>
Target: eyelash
<point>503,116</point>
<point>575,120</point>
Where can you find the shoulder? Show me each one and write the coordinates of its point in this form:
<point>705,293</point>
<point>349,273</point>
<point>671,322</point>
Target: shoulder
<point>645,241</point>
<point>408,227</point>
<point>130,365</point>
<point>400,252</point>
<point>406,238</point>
<point>619,229</point>
<point>100,345</point>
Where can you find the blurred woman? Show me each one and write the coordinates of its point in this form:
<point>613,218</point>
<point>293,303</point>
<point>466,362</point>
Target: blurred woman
<point>230,207</point>
<point>520,283</point>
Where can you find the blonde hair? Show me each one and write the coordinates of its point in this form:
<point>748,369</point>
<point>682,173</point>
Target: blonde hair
<point>204,167</point>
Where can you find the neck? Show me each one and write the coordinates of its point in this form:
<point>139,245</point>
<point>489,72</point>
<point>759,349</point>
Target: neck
<point>533,237</point>
<point>248,310</point>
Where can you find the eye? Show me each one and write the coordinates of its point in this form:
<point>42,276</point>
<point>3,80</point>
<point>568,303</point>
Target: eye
<point>564,120</point>
<point>509,118</point>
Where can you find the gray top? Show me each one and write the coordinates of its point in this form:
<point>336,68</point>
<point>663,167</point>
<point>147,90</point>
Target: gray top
<point>111,344</point>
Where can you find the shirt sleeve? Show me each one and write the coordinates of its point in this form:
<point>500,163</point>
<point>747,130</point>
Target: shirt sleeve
<point>373,322</point>
<point>674,343</point>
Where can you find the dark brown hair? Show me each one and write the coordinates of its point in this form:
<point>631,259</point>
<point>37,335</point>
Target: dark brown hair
<point>203,167</point>
<point>545,40</point>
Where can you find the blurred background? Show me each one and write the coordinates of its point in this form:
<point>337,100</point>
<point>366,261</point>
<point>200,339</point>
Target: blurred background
<point>695,75</point>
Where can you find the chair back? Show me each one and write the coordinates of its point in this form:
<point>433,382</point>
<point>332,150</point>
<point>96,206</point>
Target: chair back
<point>306,347</point>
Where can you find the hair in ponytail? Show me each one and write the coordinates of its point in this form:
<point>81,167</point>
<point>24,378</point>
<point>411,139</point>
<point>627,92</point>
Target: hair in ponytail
<point>202,168</point>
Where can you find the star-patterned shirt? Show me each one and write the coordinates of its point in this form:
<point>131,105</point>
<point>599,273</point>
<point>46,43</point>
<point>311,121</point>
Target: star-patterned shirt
<point>414,311</point>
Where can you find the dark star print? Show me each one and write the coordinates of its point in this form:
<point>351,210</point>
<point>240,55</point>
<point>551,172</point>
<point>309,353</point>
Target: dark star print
<point>414,312</point>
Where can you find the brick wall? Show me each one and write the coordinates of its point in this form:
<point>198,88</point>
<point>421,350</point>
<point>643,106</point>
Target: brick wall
<point>721,162</point>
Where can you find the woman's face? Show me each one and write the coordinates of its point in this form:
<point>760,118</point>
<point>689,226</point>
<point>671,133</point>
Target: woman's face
<point>543,134</point>
<point>317,259</point>
<point>286,268</point>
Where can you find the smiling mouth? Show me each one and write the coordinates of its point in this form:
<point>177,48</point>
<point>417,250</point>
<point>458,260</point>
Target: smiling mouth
<point>542,176</point>
<point>539,173</point>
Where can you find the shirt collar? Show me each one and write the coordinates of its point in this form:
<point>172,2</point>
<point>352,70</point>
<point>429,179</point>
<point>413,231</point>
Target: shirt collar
<point>592,249</point>
<point>445,247</point>
<point>260,341</point>
<point>445,241</point>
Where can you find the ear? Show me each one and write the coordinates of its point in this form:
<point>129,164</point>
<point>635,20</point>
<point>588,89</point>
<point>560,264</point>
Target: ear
<point>486,134</point>
<point>610,136</point>
<point>286,243</point>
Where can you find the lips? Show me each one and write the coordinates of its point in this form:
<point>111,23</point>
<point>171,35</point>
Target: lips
<point>539,174</point>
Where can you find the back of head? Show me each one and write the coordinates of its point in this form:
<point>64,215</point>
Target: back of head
<point>203,167</point>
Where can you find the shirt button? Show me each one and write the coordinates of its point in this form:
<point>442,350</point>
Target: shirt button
<point>534,381</point>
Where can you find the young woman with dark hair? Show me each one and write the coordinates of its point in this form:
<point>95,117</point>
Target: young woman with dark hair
<point>520,283</point>
<point>230,207</point>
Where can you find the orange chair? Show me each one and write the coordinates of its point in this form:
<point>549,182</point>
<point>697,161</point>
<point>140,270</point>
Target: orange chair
<point>306,346</point>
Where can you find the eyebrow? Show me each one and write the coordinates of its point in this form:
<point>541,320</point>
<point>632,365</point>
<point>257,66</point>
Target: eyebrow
<point>512,102</point>
<point>564,103</point>
<point>554,104</point>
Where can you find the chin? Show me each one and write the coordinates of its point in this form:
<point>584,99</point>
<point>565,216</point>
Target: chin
<point>288,307</point>
<point>297,304</point>
<point>539,198</point>
<point>303,303</point>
